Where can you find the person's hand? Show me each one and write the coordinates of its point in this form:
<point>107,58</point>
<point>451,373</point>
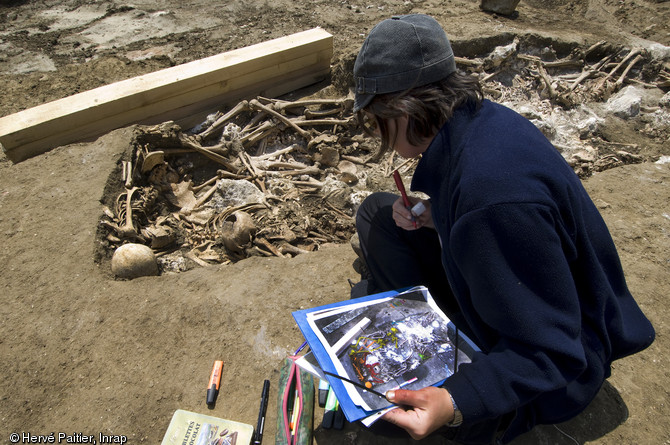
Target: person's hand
<point>403,217</point>
<point>420,412</point>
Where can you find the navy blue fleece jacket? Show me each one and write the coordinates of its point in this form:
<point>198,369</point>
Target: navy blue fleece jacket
<point>533,268</point>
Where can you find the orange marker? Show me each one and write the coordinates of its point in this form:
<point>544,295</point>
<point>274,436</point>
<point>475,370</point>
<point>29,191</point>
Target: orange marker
<point>214,382</point>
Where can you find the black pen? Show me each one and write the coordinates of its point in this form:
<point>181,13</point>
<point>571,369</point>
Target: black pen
<point>358,385</point>
<point>258,437</point>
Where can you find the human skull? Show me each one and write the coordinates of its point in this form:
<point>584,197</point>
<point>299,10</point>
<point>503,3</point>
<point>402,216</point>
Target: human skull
<point>134,260</point>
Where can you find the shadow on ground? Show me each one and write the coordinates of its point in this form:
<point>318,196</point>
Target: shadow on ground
<point>603,415</point>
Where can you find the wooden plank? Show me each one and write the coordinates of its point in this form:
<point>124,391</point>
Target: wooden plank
<point>178,93</point>
<point>186,116</point>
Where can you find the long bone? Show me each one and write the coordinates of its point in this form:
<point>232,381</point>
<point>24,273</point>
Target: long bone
<point>274,154</point>
<point>281,105</point>
<point>591,71</point>
<point>315,122</point>
<point>128,230</point>
<point>630,55</point>
<point>547,80</point>
<point>128,174</point>
<point>240,107</point>
<point>187,142</point>
<point>251,125</point>
<point>625,71</point>
<point>311,114</point>
<point>259,106</point>
<point>259,133</point>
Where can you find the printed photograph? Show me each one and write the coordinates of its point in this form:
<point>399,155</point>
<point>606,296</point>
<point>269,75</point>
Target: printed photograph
<point>398,342</point>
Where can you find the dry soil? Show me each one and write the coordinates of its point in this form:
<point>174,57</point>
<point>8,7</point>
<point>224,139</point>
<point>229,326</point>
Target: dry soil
<point>81,352</point>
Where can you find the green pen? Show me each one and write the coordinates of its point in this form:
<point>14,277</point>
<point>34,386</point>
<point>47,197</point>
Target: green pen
<point>331,408</point>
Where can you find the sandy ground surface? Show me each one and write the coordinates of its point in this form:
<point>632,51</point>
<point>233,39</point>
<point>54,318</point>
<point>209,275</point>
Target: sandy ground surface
<point>81,352</point>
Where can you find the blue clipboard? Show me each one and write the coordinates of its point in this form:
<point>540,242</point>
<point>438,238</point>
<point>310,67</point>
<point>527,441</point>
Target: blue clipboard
<point>464,347</point>
<point>351,411</point>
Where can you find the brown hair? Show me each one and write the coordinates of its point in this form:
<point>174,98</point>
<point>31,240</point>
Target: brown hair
<point>428,107</point>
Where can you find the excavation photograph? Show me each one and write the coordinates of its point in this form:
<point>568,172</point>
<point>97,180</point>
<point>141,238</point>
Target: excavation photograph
<point>178,178</point>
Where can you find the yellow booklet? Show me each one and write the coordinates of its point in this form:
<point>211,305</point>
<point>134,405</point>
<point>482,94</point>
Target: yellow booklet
<point>198,429</point>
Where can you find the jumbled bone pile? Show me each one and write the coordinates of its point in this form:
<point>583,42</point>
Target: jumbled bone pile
<point>277,178</point>
<point>278,185</point>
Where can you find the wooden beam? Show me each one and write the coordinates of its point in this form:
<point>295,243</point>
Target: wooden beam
<point>178,93</point>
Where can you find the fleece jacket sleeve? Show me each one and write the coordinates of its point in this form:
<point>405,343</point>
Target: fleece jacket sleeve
<point>512,258</point>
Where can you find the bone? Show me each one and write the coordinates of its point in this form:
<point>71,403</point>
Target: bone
<point>355,160</point>
<point>237,231</point>
<point>207,183</point>
<point>254,103</point>
<point>547,80</point>
<point>275,154</point>
<point>267,165</point>
<point>152,159</point>
<point>128,230</point>
<point>602,81</point>
<point>283,105</point>
<point>262,145</point>
<point>491,76</point>
<point>205,197</point>
<point>312,183</point>
<point>468,62</point>
<point>107,211</point>
<point>259,136</point>
<point>255,174</point>
<point>312,114</point>
<point>286,248</point>
<point>260,132</point>
<point>160,236</point>
<point>620,81</point>
<point>205,151</point>
<point>574,62</point>
<point>265,244</point>
<point>253,122</point>
<point>314,122</point>
<point>591,71</point>
<point>299,170</point>
<point>594,47</point>
<point>193,257</point>
<point>129,174</point>
<point>239,108</point>
<point>219,175</point>
<point>338,211</point>
<point>311,170</point>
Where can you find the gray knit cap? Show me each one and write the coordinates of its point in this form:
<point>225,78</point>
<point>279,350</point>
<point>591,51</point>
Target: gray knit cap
<point>401,53</point>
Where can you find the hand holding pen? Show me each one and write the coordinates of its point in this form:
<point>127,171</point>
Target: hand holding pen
<point>403,193</point>
<point>407,214</point>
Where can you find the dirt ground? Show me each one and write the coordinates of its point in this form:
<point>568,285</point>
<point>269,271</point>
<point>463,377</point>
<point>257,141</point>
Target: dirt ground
<point>84,353</point>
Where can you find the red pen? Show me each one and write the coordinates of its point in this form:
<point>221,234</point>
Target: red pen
<point>401,187</point>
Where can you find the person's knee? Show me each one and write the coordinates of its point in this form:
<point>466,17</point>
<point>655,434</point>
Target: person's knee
<point>372,205</point>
